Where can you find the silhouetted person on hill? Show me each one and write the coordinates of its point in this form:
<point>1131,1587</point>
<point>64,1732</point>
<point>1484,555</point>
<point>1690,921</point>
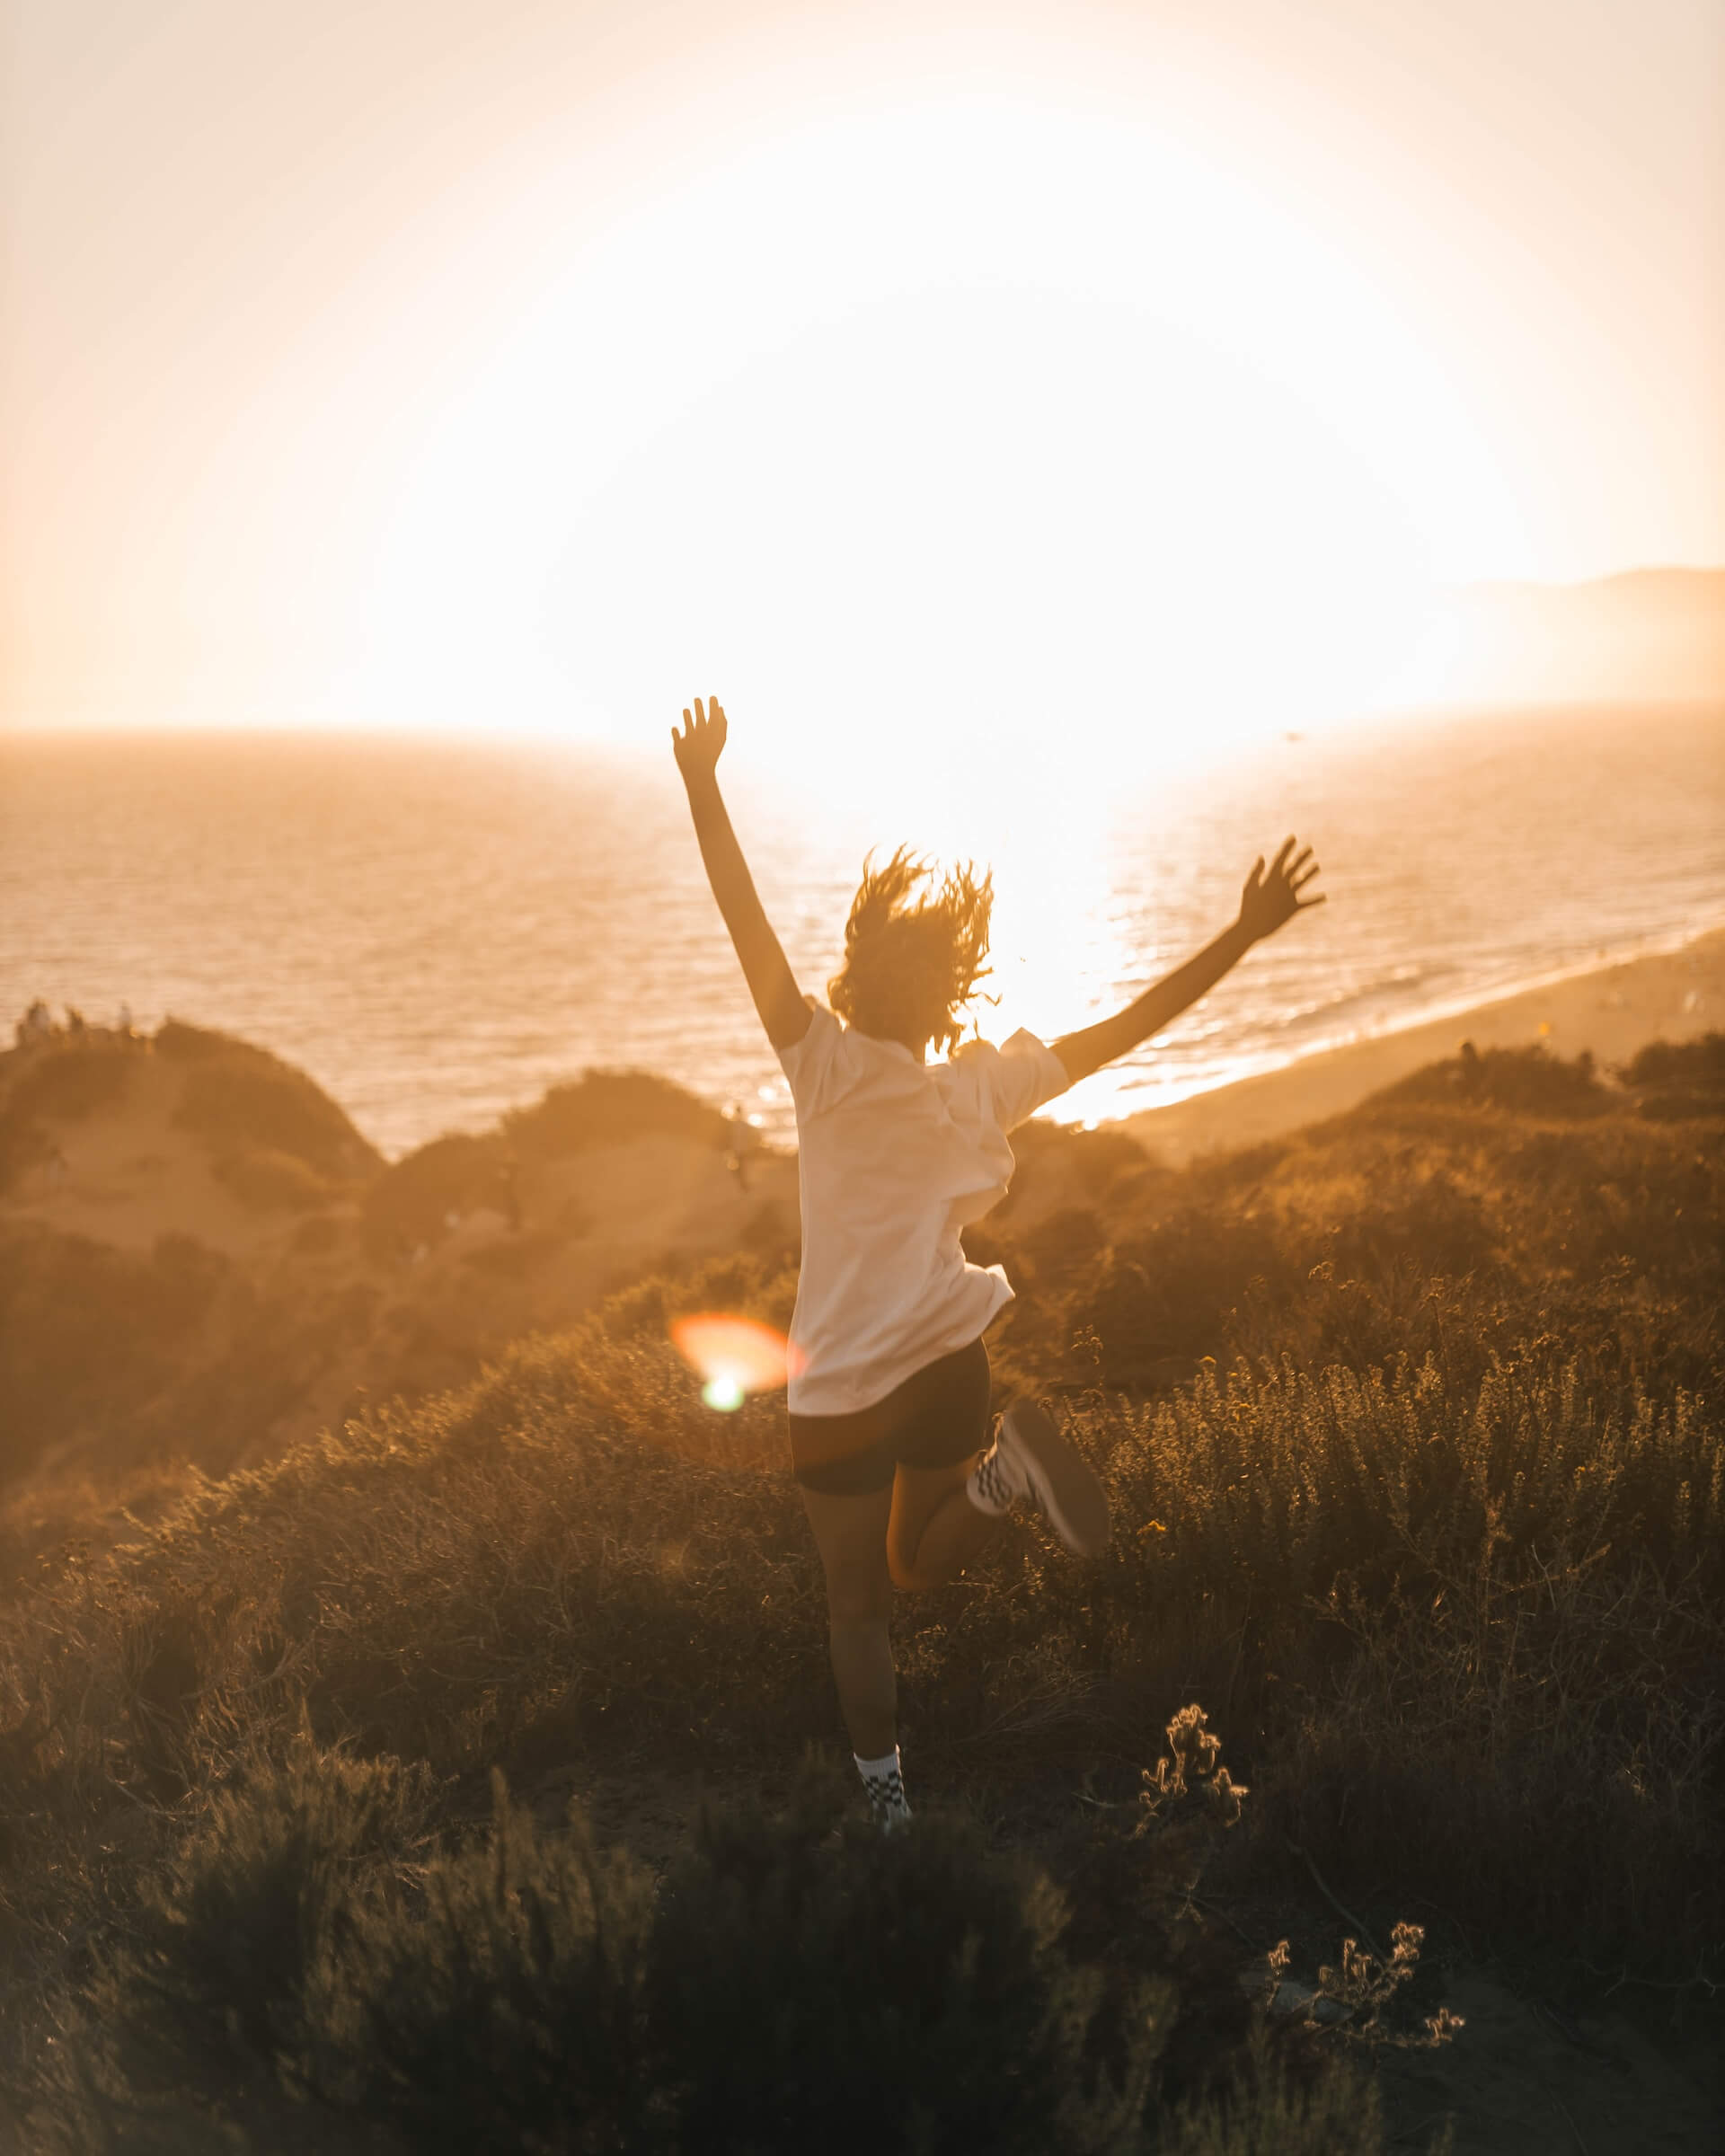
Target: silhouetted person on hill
<point>890,1385</point>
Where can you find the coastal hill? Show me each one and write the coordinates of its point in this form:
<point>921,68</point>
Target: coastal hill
<point>1409,1423</point>
<point>202,1260</point>
<point>201,1255</point>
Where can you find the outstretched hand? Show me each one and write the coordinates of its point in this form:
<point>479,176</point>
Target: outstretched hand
<point>1272,898</point>
<point>699,745</point>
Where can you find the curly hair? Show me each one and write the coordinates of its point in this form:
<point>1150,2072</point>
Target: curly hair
<point>909,969</point>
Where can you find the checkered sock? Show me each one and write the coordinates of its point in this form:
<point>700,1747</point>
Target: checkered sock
<point>883,1779</point>
<point>992,1485</point>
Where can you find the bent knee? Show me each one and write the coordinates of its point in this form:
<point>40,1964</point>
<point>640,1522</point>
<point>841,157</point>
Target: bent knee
<point>902,1567</point>
<point>903,1575</point>
<point>856,1594</point>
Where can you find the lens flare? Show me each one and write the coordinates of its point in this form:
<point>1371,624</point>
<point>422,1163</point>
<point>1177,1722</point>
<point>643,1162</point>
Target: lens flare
<point>733,1356</point>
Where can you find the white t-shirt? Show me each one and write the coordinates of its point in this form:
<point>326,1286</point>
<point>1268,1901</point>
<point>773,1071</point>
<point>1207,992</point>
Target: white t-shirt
<point>896,1157</point>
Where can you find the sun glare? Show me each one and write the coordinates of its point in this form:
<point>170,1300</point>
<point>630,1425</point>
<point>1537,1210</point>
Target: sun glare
<point>971,424</point>
<point>733,1357</point>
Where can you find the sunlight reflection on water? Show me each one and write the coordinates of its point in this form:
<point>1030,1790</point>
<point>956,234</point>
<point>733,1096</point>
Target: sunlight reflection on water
<point>437,932</point>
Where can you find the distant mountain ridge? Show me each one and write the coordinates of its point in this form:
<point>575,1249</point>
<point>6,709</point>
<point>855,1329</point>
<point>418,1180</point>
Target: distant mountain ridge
<point>1644,633</point>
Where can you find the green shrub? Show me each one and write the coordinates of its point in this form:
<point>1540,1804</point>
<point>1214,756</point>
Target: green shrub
<point>1405,1229</point>
<point>1540,1744</point>
<point>235,1096</point>
<point>231,1955</point>
<point>608,1108</point>
<point>181,1043</point>
<point>69,1080</point>
<point>1162,1301</point>
<point>509,1576</point>
<point>1679,1080</point>
<point>504,2006</point>
<point>86,1330</point>
<point>743,1285</point>
<point>1105,1168</point>
<point>794,1981</point>
<point>1692,1065</point>
<point>1275,1487</point>
<point>411,1201</point>
<point>1522,1082</point>
<point>268,1181</point>
<point>1266,2109</point>
<point>901,1991</point>
<point>62,1083</point>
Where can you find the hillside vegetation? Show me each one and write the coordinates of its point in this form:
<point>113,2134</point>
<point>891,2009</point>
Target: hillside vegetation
<point>200,1256</point>
<point>334,1787</point>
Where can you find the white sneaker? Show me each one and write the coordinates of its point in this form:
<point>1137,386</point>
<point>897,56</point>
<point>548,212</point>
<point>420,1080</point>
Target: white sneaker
<point>1035,1458</point>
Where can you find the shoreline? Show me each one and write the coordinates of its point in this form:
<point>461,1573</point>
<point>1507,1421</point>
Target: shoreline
<point>1611,1010</point>
<point>1669,989</point>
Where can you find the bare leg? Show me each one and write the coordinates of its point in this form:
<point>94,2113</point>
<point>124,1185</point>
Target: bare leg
<point>851,1534</point>
<point>935,1529</point>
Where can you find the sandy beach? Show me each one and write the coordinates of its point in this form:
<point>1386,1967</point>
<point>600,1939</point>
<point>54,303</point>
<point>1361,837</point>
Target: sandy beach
<point>1612,1011</point>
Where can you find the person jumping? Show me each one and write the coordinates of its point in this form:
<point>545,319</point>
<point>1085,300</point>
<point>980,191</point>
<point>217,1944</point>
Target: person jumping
<point>888,1394</point>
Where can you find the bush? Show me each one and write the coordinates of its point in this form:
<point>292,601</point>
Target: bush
<point>411,1201</point>
<point>69,1080</point>
<point>85,1331</point>
<point>1266,2109</point>
<point>266,1182</point>
<point>796,1982</point>
<point>1410,1227</point>
<point>509,1576</point>
<point>235,1096</point>
<point>1693,1065</point>
<point>1522,1082</point>
<point>1161,1302</point>
<point>232,1956</point>
<point>1679,1080</point>
<point>608,1108</point>
<point>900,1991</point>
<point>744,1286</point>
<point>504,2007</point>
<point>1276,1487</point>
<point>62,1083</point>
<point>1543,1741</point>
<point>182,1043</point>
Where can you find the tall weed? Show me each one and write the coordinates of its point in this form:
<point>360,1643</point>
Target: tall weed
<point>231,1956</point>
<point>504,2005</point>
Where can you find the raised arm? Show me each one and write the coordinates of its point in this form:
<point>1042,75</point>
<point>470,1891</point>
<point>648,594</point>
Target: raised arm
<point>771,982</point>
<point>1267,902</point>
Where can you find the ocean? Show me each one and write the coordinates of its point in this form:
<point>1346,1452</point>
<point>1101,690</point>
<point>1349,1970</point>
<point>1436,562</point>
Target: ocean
<point>439,929</point>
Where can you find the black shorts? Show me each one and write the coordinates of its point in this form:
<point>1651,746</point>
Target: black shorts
<point>938,1416</point>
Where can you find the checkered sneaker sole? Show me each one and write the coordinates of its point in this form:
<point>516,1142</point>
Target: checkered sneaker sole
<point>1060,1483</point>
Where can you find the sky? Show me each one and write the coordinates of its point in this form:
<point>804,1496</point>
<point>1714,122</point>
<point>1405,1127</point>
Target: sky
<point>969,381</point>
